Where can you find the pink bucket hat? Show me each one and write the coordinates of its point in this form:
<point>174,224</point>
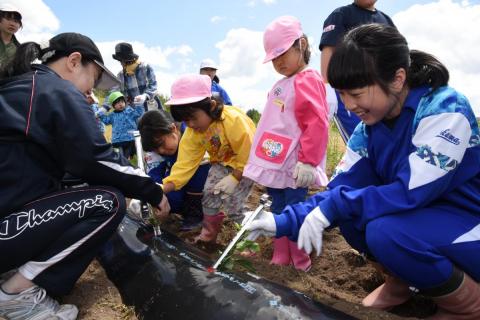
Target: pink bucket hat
<point>280,35</point>
<point>190,88</point>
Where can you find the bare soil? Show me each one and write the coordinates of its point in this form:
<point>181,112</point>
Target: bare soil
<point>97,298</point>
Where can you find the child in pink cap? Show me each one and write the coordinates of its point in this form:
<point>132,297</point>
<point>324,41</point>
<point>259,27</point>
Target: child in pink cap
<point>226,133</point>
<point>289,148</point>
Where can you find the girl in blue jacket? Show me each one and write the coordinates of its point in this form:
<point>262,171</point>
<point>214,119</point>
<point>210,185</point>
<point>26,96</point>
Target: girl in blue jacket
<point>407,191</point>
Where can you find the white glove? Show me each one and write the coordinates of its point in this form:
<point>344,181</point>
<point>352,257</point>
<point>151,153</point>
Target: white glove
<point>101,111</point>
<point>225,186</point>
<point>304,174</point>
<point>263,225</point>
<point>135,208</point>
<point>140,99</point>
<point>311,231</point>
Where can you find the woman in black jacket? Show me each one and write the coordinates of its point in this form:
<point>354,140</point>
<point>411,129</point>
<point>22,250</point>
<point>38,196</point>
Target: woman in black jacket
<point>48,129</point>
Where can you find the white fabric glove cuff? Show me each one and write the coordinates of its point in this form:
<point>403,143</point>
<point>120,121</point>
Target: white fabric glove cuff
<point>318,215</point>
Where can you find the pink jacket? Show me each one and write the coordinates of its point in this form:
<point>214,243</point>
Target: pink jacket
<point>293,127</point>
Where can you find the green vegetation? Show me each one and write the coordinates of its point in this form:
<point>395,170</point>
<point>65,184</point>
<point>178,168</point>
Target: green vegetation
<point>335,149</point>
<point>235,259</point>
<point>254,115</point>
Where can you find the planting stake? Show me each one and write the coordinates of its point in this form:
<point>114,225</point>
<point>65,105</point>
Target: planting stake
<point>263,200</point>
<point>145,208</point>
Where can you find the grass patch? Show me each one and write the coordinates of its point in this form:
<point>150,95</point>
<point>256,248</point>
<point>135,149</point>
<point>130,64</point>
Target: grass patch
<point>335,148</point>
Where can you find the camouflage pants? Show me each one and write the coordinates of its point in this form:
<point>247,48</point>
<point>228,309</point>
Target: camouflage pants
<point>233,205</point>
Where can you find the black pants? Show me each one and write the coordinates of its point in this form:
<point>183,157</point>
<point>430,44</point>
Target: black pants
<point>126,148</point>
<point>52,240</point>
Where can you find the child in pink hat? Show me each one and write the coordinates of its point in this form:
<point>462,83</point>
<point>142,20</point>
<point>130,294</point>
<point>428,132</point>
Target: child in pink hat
<point>226,133</point>
<point>289,148</point>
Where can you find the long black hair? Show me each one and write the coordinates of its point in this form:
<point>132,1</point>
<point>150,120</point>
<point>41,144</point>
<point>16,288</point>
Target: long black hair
<point>371,54</point>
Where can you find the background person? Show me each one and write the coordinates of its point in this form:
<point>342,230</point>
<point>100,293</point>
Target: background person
<point>123,120</point>
<point>337,24</point>
<point>10,22</point>
<point>49,234</point>
<point>138,81</point>
<point>407,192</point>
<point>209,68</point>
<point>93,102</point>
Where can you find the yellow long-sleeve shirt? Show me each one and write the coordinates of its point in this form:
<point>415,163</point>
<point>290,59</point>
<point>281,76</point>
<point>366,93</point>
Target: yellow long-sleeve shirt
<point>227,141</point>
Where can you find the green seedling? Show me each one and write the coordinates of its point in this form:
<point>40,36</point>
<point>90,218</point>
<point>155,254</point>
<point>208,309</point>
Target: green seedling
<point>235,259</point>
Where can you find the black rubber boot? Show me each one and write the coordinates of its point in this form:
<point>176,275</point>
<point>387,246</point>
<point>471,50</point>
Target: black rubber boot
<point>192,212</point>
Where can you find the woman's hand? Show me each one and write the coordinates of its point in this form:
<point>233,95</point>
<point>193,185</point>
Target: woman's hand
<point>163,208</point>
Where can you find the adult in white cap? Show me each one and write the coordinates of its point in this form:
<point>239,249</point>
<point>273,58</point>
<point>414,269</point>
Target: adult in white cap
<point>209,68</point>
<point>49,234</point>
<point>10,22</point>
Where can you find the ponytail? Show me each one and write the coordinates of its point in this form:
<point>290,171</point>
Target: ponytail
<point>425,69</point>
<point>306,52</point>
<point>21,63</point>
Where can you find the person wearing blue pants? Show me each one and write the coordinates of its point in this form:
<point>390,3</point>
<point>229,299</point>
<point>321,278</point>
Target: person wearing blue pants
<point>407,192</point>
<point>160,138</point>
<point>337,24</point>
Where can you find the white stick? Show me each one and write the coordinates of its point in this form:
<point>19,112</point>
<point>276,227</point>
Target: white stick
<point>141,165</point>
<point>139,149</point>
<point>238,236</point>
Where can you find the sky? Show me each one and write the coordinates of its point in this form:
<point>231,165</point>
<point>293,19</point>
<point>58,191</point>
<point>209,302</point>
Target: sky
<point>174,36</point>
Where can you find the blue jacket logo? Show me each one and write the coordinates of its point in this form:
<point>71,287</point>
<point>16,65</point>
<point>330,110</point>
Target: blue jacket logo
<point>446,135</point>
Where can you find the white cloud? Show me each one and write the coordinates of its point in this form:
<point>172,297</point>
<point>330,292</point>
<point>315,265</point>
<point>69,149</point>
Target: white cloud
<point>241,71</point>
<point>167,62</point>
<point>253,3</point>
<point>449,30</point>
<point>216,19</point>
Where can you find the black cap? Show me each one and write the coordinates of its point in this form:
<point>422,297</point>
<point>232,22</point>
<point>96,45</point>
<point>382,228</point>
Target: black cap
<point>66,43</point>
<point>124,52</point>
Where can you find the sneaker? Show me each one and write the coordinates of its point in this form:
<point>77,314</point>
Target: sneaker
<point>35,304</point>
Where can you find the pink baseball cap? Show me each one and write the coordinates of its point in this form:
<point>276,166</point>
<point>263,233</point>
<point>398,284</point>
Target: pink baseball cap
<point>190,88</point>
<point>280,35</point>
